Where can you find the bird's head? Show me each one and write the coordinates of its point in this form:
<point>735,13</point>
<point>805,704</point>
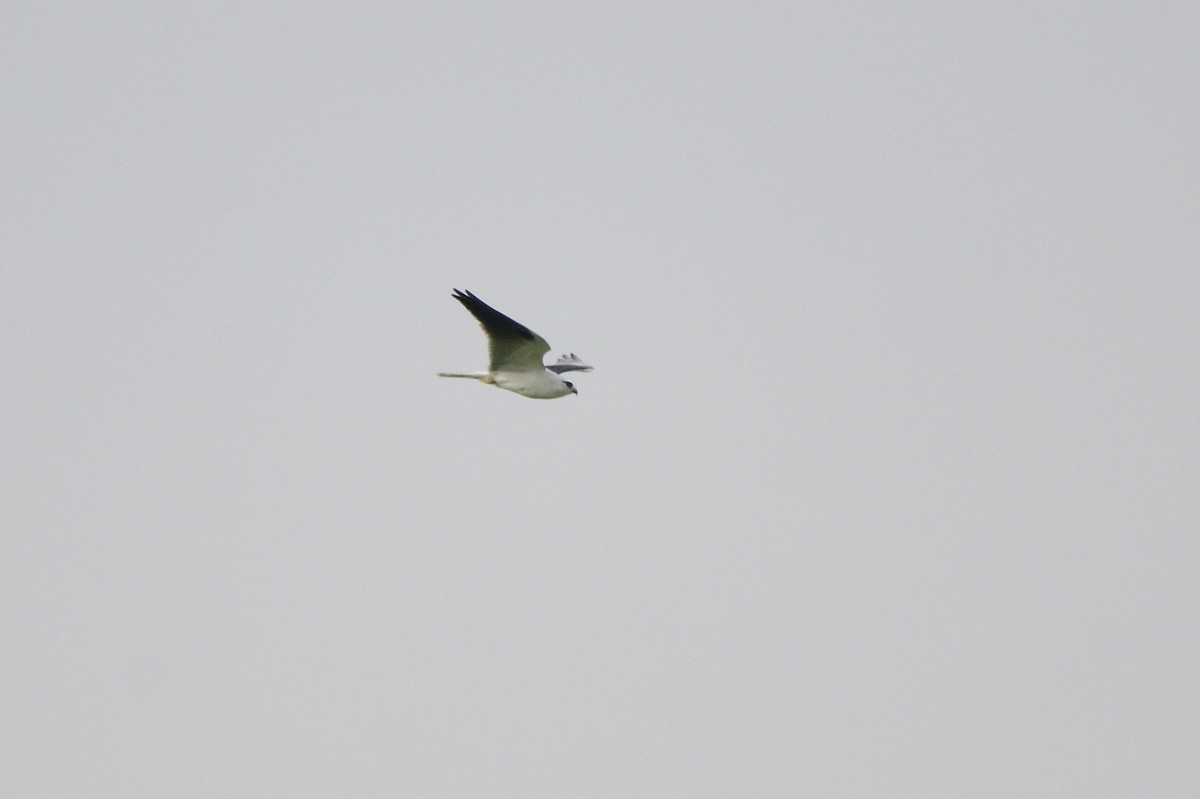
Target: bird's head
<point>571,386</point>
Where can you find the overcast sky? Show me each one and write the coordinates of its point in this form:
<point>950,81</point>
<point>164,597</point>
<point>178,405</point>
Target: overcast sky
<point>886,483</point>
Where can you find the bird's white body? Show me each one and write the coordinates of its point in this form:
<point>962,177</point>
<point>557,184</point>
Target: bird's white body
<point>536,385</point>
<point>516,356</point>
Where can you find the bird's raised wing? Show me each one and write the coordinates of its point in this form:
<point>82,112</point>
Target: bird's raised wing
<point>569,363</point>
<point>512,347</point>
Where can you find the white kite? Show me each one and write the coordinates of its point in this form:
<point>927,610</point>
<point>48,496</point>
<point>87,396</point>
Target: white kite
<point>516,356</point>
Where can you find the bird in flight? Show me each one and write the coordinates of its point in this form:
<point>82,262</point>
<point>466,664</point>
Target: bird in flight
<point>516,355</point>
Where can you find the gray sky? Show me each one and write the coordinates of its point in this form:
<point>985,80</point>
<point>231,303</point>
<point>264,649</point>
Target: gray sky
<point>885,483</point>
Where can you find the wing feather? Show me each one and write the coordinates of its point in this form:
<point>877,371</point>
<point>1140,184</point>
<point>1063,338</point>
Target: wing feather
<point>511,345</point>
<point>569,363</point>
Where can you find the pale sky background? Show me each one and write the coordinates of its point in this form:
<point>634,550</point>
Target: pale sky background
<point>886,484</point>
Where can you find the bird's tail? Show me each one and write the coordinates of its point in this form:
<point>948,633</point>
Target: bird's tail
<point>470,375</point>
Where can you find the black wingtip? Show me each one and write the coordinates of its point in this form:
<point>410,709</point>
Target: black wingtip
<point>495,323</point>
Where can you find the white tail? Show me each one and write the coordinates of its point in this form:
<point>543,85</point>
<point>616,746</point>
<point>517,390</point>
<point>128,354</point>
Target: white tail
<point>471,375</point>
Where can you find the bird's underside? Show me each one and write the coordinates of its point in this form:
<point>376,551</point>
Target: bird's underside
<point>516,352</point>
